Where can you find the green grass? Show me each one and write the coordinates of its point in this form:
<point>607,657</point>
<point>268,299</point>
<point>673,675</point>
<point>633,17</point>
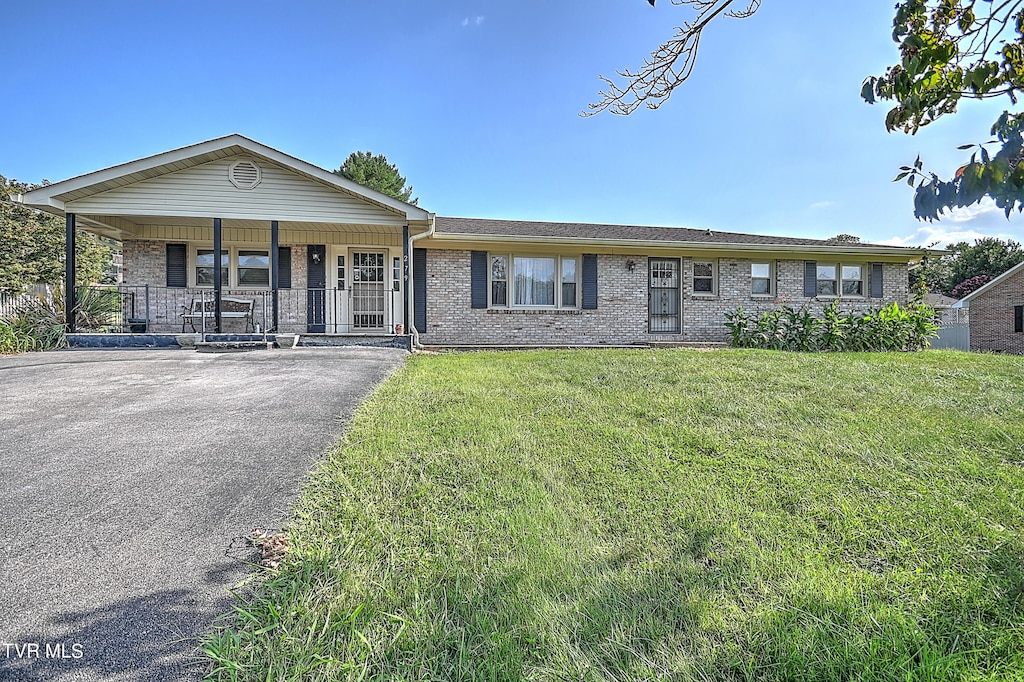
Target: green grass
<point>638,515</point>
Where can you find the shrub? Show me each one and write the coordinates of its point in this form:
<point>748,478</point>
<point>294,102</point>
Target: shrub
<point>38,324</point>
<point>14,338</point>
<point>969,285</point>
<point>891,328</point>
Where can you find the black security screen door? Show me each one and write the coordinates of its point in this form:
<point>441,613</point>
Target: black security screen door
<point>663,296</point>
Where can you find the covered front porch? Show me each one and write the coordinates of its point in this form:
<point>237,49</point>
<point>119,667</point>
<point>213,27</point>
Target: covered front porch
<point>231,236</point>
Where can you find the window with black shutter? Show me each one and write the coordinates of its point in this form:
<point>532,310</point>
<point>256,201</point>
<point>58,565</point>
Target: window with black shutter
<point>177,266</point>
<point>284,267</point>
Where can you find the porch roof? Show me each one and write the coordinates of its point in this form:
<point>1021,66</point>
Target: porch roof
<point>81,194</point>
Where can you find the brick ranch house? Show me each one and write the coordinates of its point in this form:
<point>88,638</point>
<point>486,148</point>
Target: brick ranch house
<point>313,253</point>
<point>996,319</point>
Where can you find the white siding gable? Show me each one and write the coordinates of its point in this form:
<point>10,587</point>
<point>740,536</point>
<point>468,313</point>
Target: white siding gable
<point>206,191</point>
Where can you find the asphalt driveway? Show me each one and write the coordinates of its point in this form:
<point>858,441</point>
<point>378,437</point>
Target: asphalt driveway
<point>126,474</point>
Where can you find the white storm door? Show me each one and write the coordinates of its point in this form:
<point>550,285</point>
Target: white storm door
<point>368,290</point>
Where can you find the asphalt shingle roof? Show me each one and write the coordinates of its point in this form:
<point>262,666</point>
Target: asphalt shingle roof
<point>527,228</point>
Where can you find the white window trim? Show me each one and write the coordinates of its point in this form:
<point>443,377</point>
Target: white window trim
<point>714,278</point>
<point>509,280</point>
<point>232,252</point>
<point>771,278</point>
<point>864,284</point>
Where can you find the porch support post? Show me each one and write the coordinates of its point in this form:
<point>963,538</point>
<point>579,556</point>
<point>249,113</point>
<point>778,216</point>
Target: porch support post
<point>70,296</point>
<point>405,278</point>
<point>217,283</point>
<point>274,268</point>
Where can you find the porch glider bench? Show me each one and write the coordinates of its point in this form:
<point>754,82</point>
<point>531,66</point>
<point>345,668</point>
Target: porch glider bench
<point>230,308</point>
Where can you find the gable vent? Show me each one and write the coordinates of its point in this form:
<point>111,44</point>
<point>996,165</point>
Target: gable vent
<point>244,174</point>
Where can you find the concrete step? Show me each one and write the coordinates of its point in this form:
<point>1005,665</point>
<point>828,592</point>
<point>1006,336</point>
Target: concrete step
<point>231,346</point>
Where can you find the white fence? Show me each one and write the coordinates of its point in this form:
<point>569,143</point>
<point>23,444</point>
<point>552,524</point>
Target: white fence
<point>9,302</point>
<point>954,330</point>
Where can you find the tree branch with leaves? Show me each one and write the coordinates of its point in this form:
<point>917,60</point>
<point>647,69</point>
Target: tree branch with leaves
<point>670,64</point>
<point>952,50</point>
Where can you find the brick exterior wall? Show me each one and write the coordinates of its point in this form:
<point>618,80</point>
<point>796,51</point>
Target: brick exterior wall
<point>620,317</point>
<point>991,317</point>
<point>621,314</point>
<point>145,262</point>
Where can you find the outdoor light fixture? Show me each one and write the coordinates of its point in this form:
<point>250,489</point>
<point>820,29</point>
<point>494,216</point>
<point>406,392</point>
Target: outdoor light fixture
<point>631,264</point>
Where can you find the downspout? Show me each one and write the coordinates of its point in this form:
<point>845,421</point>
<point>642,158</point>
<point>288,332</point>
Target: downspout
<point>412,322</point>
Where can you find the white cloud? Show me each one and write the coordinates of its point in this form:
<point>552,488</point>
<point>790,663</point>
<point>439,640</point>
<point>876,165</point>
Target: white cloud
<point>820,204</point>
<point>968,213</point>
<point>939,235</point>
<point>966,224</point>
<point>472,21</point>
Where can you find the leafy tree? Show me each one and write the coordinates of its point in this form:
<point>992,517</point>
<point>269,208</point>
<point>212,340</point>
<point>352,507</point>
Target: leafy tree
<point>952,50</point>
<point>844,239</point>
<point>374,171</point>
<point>32,245</point>
<point>968,266</point>
<point>968,285</point>
<point>670,64</point>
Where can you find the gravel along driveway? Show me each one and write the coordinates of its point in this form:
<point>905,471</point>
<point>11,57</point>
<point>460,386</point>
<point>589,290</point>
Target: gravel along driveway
<point>125,476</point>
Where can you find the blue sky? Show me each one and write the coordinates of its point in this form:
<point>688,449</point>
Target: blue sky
<point>477,102</point>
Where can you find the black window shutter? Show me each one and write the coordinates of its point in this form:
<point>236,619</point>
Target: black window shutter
<point>419,286</point>
<point>589,281</point>
<point>876,280</point>
<point>284,267</point>
<point>1018,318</point>
<point>177,266</point>
<point>478,279</point>
<point>810,278</point>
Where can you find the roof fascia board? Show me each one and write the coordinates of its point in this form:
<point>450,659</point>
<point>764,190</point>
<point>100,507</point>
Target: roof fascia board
<point>40,194</point>
<point>896,251</point>
<point>408,210</point>
<point>988,285</point>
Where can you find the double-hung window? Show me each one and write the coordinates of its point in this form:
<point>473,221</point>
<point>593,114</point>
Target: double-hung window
<point>828,280</point>
<point>253,268</point>
<point>527,281</point>
<point>853,280</point>
<point>834,278</point>
<point>761,279</point>
<point>204,268</point>
<point>704,280</point>
<point>242,268</point>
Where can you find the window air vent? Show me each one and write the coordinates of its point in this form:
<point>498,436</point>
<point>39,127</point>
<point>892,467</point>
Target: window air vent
<point>244,174</point>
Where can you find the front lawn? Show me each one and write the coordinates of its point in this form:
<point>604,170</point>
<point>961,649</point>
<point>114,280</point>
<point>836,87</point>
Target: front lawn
<point>638,515</point>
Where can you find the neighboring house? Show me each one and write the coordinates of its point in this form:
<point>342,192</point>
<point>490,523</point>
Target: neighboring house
<point>997,313</point>
<point>319,254</point>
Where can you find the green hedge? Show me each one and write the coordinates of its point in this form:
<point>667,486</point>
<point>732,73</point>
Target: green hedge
<point>891,328</point>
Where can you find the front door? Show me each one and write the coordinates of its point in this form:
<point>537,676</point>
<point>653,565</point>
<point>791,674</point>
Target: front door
<point>369,290</point>
<point>663,299</point>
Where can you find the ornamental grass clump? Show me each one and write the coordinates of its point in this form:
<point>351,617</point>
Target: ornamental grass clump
<point>891,328</point>
<point>39,322</point>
